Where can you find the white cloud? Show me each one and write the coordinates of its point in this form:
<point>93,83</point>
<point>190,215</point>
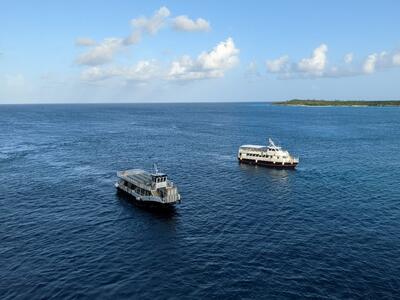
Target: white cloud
<point>183,23</point>
<point>143,70</point>
<point>133,38</point>
<point>278,65</point>
<point>207,65</point>
<point>316,63</point>
<point>102,53</point>
<point>210,64</point>
<point>153,24</point>
<point>348,58</point>
<point>223,56</point>
<point>369,64</point>
<point>379,61</point>
<point>85,42</point>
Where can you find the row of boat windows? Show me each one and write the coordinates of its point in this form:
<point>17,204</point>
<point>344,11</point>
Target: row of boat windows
<point>263,155</point>
<point>137,189</point>
<point>160,179</point>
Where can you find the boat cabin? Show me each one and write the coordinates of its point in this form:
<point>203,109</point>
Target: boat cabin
<point>159,180</point>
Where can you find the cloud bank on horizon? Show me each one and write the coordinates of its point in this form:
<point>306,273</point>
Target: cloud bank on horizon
<point>123,61</point>
<point>317,65</point>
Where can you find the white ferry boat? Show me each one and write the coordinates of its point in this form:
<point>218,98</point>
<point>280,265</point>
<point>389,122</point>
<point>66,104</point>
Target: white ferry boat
<point>269,156</point>
<point>153,189</point>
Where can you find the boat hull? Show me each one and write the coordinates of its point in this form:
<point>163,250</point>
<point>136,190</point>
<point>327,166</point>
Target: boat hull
<point>268,164</point>
<point>144,203</point>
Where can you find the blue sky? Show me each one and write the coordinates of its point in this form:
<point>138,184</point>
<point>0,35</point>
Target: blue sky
<point>189,51</point>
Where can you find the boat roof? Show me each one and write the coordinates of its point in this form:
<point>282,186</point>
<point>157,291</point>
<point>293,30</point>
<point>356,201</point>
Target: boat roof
<point>139,175</point>
<point>271,145</point>
<point>158,174</point>
<point>136,175</point>
<point>253,146</point>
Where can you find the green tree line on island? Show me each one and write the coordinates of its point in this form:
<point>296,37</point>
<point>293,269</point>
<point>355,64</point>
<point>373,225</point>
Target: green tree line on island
<point>302,102</point>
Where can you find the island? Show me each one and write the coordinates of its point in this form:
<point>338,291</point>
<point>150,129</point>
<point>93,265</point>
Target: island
<point>300,102</point>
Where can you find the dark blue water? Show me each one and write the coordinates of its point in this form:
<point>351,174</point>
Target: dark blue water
<point>331,229</point>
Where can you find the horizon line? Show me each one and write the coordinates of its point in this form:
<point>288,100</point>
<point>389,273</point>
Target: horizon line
<point>139,102</point>
<point>182,102</point>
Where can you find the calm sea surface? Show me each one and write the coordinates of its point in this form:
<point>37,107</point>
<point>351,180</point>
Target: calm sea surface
<point>330,229</point>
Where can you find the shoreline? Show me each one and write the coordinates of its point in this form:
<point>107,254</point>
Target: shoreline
<point>339,103</point>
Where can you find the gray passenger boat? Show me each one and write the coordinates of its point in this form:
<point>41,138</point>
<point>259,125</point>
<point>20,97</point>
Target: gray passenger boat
<point>150,189</point>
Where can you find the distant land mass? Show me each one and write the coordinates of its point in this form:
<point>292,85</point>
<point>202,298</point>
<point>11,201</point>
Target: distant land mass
<point>299,102</point>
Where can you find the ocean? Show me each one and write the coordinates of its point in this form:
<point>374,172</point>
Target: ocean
<point>330,229</point>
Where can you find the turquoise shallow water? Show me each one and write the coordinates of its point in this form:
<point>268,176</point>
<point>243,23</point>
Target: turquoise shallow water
<point>330,229</point>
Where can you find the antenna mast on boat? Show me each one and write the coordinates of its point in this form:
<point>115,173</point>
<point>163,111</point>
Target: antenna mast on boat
<point>271,142</point>
<point>155,168</point>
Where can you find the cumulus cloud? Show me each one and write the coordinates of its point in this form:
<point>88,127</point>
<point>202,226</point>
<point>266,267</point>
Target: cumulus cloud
<point>133,38</point>
<point>153,24</point>
<point>102,53</point>
<point>183,23</point>
<point>210,64</point>
<point>312,66</point>
<point>381,61</point>
<point>369,64</point>
<point>278,65</point>
<point>372,63</point>
<point>316,63</point>
<point>143,70</point>
<point>86,42</point>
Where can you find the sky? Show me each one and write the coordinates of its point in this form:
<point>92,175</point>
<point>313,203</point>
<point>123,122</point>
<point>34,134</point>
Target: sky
<point>194,51</point>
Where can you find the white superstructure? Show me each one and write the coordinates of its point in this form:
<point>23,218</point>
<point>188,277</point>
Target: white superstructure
<point>268,156</point>
<point>148,188</point>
